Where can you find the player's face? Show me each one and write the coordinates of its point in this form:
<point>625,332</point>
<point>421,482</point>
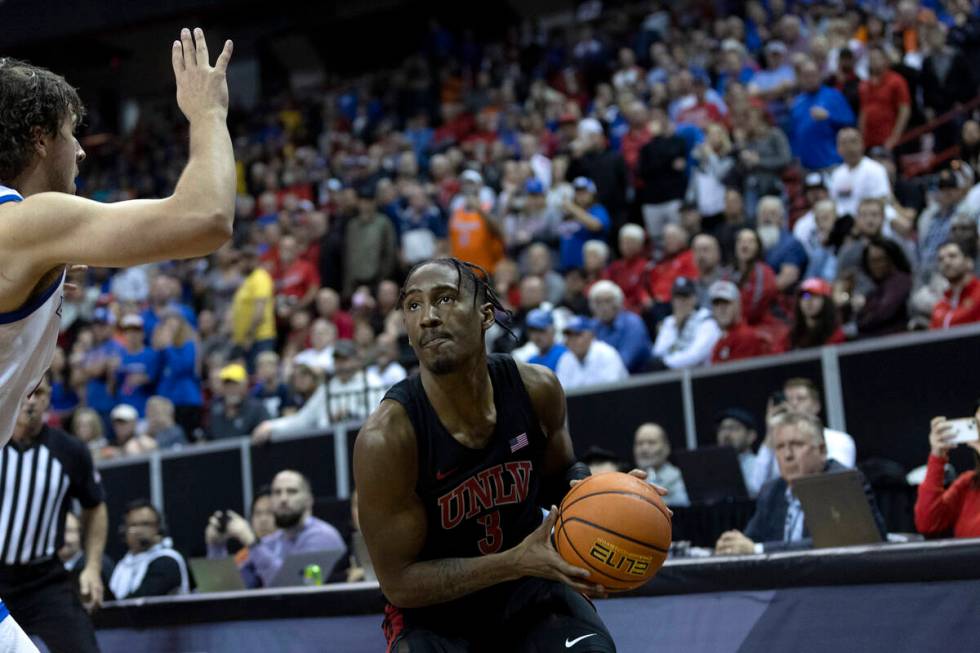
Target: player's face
<point>63,156</point>
<point>797,453</point>
<point>444,326</point>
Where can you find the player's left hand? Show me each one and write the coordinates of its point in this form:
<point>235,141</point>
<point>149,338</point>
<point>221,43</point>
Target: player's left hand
<point>642,475</point>
<point>90,588</point>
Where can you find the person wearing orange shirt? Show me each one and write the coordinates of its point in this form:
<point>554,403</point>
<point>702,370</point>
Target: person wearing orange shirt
<point>474,236</point>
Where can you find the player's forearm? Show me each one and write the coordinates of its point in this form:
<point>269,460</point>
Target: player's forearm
<point>437,581</point>
<point>95,525</point>
<point>208,182</point>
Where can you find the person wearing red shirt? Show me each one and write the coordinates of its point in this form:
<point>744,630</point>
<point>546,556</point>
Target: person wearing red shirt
<point>816,321</point>
<point>637,136</point>
<point>738,340</point>
<point>677,261</point>
<point>328,307</point>
<point>937,510</point>
<point>756,280</point>
<point>703,111</point>
<point>629,272</point>
<point>961,302</point>
<point>297,280</point>
<point>885,107</point>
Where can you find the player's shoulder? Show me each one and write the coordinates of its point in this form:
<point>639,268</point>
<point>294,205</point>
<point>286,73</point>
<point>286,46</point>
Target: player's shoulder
<point>542,385</point>
<point>27,219</point>
<point>387,429</point>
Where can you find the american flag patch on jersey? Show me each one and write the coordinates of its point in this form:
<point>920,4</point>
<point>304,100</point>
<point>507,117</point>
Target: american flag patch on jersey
<point>518,443</point>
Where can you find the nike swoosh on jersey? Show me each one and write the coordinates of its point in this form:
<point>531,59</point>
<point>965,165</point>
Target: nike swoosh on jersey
<point>440,475</point>
<point>569,643</point>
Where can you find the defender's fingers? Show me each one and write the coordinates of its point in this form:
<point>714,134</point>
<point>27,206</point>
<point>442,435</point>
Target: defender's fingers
<point>177,57</point>
<point>190,58</point>
<point>221,65</point>
<point>201,47</point>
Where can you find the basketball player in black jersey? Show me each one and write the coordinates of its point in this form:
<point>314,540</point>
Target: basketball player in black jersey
<point>452,472</point>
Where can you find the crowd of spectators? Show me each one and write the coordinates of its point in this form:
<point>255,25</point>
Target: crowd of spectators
<point>650,186</point>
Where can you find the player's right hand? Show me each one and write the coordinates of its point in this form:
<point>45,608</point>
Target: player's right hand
<point>536,556</point>
<point>201,88</point>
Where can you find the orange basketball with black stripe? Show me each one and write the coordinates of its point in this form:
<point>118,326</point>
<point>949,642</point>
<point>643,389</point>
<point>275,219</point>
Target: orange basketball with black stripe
<point>617,527</point>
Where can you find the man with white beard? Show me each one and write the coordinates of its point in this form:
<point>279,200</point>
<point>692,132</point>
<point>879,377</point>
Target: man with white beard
<point>784,253</point>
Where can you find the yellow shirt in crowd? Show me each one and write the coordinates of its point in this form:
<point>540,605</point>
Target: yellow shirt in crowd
<point>256,287</point>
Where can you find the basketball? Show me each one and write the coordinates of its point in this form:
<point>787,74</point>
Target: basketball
<point>617,527</point>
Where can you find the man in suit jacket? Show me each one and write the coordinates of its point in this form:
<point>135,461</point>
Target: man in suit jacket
<point>779,523</point>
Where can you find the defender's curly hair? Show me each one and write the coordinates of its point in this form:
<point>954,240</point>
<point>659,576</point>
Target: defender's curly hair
<point>30,98</point>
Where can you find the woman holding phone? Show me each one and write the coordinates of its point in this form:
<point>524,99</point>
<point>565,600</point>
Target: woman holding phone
<point>937,510</point>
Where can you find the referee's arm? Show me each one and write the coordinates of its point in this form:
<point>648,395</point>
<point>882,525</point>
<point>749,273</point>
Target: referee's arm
<point>95,524</point>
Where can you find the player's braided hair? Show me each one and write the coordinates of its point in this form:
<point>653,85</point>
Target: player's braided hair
<point>30,97</point>
<point>476,278</point>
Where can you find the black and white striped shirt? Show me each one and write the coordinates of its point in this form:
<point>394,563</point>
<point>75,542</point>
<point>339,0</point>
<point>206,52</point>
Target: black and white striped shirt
<point>37,483</point>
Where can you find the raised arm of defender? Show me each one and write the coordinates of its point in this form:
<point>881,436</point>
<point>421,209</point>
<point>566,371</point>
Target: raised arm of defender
<point>48,229</point>
<point>394,525</point>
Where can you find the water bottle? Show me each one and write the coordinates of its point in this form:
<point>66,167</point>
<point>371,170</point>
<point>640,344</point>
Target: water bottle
<point>312,575</point>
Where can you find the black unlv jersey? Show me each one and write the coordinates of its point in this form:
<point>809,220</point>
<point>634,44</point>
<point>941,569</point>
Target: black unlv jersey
<point>478,501</point>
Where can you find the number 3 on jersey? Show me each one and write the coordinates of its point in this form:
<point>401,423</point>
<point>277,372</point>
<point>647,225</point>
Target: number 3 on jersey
<point>495,537</point>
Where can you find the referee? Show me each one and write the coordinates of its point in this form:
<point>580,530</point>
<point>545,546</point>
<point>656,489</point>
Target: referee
<point>41,470</point>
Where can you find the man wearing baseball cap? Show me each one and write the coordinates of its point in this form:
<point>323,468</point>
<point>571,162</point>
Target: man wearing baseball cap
<point>805,228</point>
<point>541,331</point>
<point>688,335</point>
<point>739,340</point>
<point>596,160</point>
<point>736,428</point>
<point>588,360</point>
<point>583,220</point>
<point>235,413</point>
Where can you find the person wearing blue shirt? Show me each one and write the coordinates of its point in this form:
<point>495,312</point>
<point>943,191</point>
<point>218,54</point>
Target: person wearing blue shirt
<point>137,371</point>
<point>784,253</point>
<point>622,329</point>
<point>164,293</point>
<point>421,226</point>
<point>179,379</point>
<point>817,114</point>
<point>100,365</point>
<point>541,331</point>
<point>584,220</point>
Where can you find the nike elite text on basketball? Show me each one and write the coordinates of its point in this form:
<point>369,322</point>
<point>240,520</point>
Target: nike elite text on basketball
<point>616,558</point>
<point>500,485</point>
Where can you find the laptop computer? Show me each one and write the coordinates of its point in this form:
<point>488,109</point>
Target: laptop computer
<point>220,575</point>
<point>836,509</point>
<point>291,572</point>
<point>711,474</point>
